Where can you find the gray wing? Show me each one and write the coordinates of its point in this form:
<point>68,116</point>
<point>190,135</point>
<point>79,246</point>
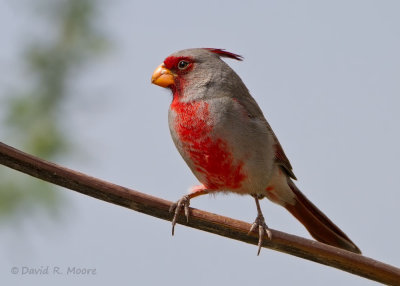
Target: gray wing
<point>254,111</point>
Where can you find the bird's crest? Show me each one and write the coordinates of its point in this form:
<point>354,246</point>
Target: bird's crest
<point>225,54</point>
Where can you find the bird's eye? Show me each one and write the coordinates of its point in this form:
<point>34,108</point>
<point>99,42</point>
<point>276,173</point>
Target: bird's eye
<point>183,65</point>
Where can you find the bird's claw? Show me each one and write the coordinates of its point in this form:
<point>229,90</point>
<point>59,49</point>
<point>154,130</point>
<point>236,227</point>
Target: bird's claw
<point>176,208</point>
<point>262,230</point>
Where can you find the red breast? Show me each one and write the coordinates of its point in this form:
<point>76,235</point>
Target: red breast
<point>210,155</point>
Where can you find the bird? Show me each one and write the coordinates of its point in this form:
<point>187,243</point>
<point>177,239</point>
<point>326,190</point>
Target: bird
<point>223,136</point>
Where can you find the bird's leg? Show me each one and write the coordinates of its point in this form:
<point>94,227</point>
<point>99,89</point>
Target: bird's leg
<point>184,203</point>
<point>260,224</point>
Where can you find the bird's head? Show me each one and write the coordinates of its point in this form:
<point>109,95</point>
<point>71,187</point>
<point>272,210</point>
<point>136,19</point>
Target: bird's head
<point>189,71</point>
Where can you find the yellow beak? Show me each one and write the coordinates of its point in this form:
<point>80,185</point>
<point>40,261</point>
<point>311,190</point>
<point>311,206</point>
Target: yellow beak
<point>162,76</point>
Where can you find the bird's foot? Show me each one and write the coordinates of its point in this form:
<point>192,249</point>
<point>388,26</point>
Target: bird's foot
<point>184,203</point>
<point>262,230</point>
<point>261,225</point>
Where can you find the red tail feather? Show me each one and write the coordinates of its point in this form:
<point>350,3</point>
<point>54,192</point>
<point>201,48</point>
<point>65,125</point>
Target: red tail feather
<point>317,223</point>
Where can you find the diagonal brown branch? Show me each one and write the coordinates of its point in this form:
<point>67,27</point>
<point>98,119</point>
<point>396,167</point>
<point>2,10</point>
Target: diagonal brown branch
<point>224,226</point>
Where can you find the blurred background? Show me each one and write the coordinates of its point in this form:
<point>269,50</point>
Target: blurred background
<point>75,89</point>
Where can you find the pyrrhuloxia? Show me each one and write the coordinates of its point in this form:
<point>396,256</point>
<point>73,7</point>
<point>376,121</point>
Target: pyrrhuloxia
<point>224,138</point>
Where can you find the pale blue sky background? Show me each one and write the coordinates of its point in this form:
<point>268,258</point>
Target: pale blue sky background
<point>326,75</point>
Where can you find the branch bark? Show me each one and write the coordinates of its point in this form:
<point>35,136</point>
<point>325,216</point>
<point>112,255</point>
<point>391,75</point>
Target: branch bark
<point>213,223</point>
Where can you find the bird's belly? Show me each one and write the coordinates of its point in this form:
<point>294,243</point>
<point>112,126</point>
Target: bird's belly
<point>213,163</point>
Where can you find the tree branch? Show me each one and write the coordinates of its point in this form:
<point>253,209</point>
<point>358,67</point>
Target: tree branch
<point>224,226</point>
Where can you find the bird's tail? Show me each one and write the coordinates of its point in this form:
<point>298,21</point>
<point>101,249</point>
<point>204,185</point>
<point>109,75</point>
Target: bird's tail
<point>317,223</point>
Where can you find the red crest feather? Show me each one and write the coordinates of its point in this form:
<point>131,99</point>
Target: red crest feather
<point>225,54</point>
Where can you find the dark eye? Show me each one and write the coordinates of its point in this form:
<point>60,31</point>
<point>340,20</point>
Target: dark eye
<point>183,65</point>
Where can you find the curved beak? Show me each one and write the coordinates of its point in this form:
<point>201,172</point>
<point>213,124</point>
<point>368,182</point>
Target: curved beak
<point>162,76</point>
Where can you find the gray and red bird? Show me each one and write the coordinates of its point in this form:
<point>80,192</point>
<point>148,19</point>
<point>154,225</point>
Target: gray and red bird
<point>224,138</point>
